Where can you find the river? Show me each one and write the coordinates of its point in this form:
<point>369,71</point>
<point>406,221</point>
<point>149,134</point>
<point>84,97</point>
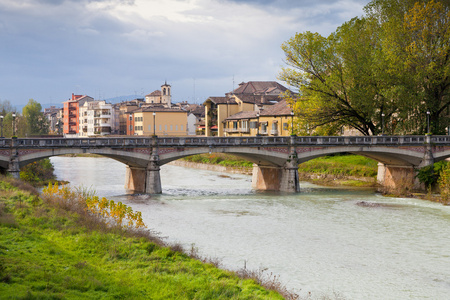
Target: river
<point>321,241</point>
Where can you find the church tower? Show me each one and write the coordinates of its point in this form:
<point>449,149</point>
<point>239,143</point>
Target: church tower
<point>166,97</point>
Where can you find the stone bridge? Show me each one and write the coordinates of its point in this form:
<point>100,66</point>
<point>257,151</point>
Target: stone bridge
<point>275,159</point>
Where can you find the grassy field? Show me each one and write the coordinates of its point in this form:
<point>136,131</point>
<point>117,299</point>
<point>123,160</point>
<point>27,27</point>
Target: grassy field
<point>226,160</point>
<point>57,247</point>
<point>346,165</point>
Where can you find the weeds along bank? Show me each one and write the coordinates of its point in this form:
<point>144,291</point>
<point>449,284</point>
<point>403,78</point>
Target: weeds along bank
<point>66,244</point>
<point>351,170</point>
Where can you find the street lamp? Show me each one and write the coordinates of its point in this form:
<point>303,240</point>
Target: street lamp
<point>257,124</point>
<point>292,123</point>
<point>428,121</point>
<point>14,124</point>
<point>154,124</point>
<point>1,124</point>
<point>382,124</point>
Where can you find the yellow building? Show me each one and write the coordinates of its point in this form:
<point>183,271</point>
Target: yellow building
<point>161,121</point>
<point>244,102</point>
<point>275,120</point>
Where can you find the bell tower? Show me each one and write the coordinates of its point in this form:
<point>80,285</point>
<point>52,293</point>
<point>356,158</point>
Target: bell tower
<point>166,97</point>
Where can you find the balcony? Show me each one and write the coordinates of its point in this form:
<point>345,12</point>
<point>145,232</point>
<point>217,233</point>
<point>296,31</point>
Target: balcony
<point>274,132</point>
<point>237,130</point>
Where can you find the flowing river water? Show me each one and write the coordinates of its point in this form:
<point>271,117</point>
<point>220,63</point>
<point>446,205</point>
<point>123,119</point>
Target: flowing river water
<point>330,242</point>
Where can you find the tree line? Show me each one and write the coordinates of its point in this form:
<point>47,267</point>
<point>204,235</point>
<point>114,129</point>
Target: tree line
<point>387,72</point>
<point>30,122</point>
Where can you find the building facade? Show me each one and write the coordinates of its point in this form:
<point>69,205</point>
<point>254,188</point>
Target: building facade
<point>97,118</point>
<point>275,120</point>
<point>245,102</point>
<point>71,114</point>
<point>160,121</point>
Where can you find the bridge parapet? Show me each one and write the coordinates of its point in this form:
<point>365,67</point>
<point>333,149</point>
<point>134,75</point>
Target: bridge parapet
<point>253,141</point>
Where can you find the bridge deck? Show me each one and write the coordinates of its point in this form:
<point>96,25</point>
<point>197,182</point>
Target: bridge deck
<point>136,142</point>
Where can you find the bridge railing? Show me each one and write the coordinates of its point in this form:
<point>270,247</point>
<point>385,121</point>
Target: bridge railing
<point>201,141</point>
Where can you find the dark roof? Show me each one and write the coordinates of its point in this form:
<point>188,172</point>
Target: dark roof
<point>154,93</point>
<point>243,115</point>
<point>259,99</point>
<point>259,88</point>
<point>158,109</point>
<point>281,108</point>
<point>221,100</point>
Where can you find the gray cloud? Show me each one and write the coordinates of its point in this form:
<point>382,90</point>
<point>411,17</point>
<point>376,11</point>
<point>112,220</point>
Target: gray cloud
<point>51,48</point>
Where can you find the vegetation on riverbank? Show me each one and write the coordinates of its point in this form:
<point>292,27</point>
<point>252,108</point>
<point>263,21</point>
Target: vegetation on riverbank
<point>38,173</point>
<point>58,245</point>
<point>350,170</point>
<point>226,160</point>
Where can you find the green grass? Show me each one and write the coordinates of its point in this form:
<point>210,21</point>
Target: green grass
<point>226,160</point>
<point>345,165</point>
<point>49,251</point>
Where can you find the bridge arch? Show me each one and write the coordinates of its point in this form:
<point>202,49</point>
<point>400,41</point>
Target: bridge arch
<point>385,155</point>
<point>255,155</point>
<point>134,159</point>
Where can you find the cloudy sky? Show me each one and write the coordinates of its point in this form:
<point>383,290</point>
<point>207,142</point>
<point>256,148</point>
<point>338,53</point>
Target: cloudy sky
<point>50,49</point>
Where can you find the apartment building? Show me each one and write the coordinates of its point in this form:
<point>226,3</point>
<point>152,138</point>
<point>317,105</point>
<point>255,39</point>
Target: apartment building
<point>97,118</point>
<point>71,114</point>
<point>247,100</point>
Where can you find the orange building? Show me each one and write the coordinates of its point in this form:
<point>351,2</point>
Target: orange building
<point>71,117</point>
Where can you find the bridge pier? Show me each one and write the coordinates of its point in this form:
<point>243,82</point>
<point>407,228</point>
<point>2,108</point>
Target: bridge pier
<point>135,179</point>
<point>145,179</point>
<point>153,180</point>
<point>275,178</point>
<point>13,166</point>
<point>392,177</point>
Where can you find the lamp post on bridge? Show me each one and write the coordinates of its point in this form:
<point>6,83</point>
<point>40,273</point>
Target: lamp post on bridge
<point>14,124</point>
<point>382,124</point>
<point>1,124</point>
<point>428,121</point>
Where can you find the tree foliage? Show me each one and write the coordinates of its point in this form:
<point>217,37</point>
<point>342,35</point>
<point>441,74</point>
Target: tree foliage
<point>381,72</point>
<point>34,121</point>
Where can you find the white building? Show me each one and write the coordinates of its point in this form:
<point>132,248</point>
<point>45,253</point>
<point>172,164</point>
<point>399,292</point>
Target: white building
<point>97,118</point>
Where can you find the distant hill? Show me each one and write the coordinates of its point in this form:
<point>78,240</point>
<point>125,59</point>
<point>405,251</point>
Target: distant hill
<point>119,99</point>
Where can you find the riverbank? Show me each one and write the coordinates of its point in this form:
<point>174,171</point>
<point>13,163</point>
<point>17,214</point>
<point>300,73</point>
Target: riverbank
<point>53,248</point>
<point>342,170</point>
<point>352,171</point>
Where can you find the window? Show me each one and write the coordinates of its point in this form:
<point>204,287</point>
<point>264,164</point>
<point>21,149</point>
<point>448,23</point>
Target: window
<point>171,127</point>
<point>245,125</point>
<point>253,124</point>
<point>160,127</point>
<point>165,127</point>
<point>181,127</point>
<point>176,127</point>
<point>274,126</point>
<point>285,126</point>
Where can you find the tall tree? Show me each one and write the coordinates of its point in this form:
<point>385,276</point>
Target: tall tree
<point>392,65</point>
<point>5,107</point>
<point>416,38</point>
<point>339,78</point>
<point>33,121</point>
